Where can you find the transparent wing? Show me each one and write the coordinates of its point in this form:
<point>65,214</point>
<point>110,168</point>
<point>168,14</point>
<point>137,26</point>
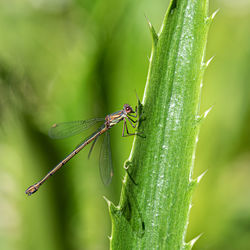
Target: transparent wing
<point>67,129</point>
<point>87,138</point>
<point>92,146</point>
<point>105,161</point>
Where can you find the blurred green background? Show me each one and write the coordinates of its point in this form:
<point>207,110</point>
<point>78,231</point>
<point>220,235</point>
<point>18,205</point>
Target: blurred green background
<point>63,60</point>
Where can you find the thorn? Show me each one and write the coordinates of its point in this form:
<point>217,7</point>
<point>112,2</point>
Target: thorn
<point>108,201</point>
<point>149,23</point>
<point>198,179</point>
<point>206,113</point>
<point>211,18</point>
<point>194,182</point>
<point>153,33</point>
<point>208,62</point>
<point>214,14</point>
<point>201,118</point>
<point>193,241</point>
<point>138,99</point>
<point>112,208</point>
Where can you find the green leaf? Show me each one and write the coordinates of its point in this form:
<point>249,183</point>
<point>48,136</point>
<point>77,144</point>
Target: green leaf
<point>153,213</point>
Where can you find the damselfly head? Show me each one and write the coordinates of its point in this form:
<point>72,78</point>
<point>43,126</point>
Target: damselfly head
<point>128,109</point>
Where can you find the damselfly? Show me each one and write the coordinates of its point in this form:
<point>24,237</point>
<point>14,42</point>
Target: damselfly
<point>62,130</point>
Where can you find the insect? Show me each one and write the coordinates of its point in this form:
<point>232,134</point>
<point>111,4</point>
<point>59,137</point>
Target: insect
<point>66,129</point>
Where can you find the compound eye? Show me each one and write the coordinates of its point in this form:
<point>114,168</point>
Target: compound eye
<point>128,109</point>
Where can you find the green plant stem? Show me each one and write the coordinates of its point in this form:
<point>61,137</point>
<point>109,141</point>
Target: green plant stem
<point>153,213</point>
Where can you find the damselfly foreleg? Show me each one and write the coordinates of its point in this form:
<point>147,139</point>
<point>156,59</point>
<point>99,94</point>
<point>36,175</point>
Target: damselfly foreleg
<point>125,126</point>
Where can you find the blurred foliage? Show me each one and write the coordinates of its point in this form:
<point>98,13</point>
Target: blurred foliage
<point>69,60</point>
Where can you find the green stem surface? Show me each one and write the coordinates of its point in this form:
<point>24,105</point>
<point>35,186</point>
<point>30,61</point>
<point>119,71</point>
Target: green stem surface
<point>153,213</point>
